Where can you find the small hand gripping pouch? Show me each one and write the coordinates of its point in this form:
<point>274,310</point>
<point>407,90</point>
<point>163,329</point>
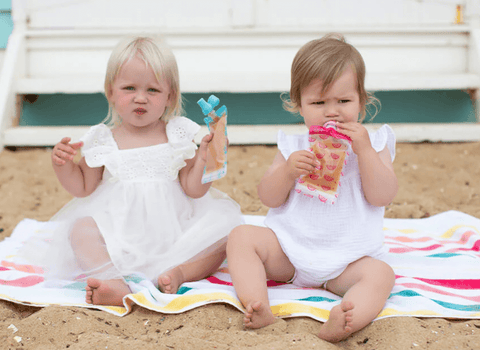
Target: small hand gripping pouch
<point>216,164</point>
<point>331,149</point>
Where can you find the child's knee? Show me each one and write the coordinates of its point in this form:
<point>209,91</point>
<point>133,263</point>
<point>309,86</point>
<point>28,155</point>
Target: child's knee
<point>235,236</point>
<point>388,272</point>
<point>384,273</point>
<point>239,236</point>
<point>84,231</point>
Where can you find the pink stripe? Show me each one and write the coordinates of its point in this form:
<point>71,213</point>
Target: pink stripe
<point>271,283</point>
<point>23,268</point>
<point>475,248</point>
<point>455,284</point>
<point>215,280</point>
<point>406,239</point>
<point>462,240</point>
<point>4,268</point>
<point>410,249</point>
<point>23,282</point>
<point>438,291</point>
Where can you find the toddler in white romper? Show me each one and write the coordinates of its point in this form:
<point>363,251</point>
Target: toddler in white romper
<point>321,239</point>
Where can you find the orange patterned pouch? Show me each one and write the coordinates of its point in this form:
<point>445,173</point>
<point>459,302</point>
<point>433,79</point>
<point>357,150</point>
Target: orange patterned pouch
<point>331,149</point>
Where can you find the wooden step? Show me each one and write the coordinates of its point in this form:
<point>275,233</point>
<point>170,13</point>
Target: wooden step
<point>41,136</point>
<point>253,82</point>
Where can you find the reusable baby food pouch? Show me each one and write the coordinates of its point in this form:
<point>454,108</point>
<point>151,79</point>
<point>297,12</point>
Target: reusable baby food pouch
<point>216,166</point>
<point>331,149</point>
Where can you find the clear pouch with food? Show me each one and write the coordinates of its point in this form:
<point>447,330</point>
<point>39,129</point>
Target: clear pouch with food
<point>331,149</point>
<point>216,165</point>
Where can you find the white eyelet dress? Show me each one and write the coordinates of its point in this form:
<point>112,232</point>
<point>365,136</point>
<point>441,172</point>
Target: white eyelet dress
<point>148,223</point>
<point>321,239</point>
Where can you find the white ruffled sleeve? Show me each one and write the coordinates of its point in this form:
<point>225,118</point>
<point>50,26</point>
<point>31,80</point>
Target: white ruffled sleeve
<point>180,133</point>
<point>384,137</point>
<point>97,143</point>
<point>287,144</point>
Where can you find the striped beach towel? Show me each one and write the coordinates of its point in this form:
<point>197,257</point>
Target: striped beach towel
<point>436,261</point>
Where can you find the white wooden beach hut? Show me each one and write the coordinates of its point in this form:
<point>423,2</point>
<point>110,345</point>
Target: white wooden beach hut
<point>240,46</point>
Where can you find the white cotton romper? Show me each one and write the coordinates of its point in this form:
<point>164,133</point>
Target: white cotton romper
<point>148,223</point>
<point>321,239</point>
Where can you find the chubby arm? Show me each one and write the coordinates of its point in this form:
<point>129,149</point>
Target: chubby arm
<point>78,179</point>
<point>379,182</point>
<point>191,174</point>
<point>279,179</point>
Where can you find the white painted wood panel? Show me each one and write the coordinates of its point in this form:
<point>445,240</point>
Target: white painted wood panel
<point>251,60</point>
<point>305,13</point>
<point>241,46</point>
<point>228,13</point>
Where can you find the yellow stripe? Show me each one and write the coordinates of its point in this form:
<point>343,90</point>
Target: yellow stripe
<point>405,230</point>
<point>181,302</point>
<point>449,233</point>
<point>116,309</point>
<point>288,309</point>
<point>393,312</point>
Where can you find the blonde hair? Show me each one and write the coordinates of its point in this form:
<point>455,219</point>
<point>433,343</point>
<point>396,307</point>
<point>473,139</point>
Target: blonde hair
<point>159,57</point>
<point>326,59</point>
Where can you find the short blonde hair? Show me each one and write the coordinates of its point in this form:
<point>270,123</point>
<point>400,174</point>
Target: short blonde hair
<point>326,59</point>
<point>159,57</point>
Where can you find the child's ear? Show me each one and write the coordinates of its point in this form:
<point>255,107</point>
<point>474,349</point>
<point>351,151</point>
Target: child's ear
<point>300,110</point>
<point>109,93</point>
<point>171,98</point>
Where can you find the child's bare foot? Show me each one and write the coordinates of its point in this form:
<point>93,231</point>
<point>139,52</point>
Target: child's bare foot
<point>106,292</point>
<point>169,282</point>
<point>258,315</point>
<point>339,324</point>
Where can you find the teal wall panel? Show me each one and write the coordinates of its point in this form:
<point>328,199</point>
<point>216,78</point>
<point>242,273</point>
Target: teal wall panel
<point>64,109</point>
<point>89,109</point>
<point>244,109</point>
<point>6,27</point>
<point>6,23</point>
<point>440,106</point>
<point>5,5</point>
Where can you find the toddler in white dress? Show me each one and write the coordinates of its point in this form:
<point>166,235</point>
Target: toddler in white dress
<point>140,206</point>
<point>313,243</point>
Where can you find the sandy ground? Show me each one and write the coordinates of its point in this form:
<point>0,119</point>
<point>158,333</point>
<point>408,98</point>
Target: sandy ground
<point>433,178</point>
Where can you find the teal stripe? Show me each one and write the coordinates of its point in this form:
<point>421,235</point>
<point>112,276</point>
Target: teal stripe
<point>183,290</point>
<point>406,293</point>
<point>76,286</point>
<point>443,255</point>
<point>134,278</point>
<point>410,293</point>
<point>474,308</point>
<point>318,299</point>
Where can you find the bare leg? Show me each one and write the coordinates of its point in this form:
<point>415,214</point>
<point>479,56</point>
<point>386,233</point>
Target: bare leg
<point>254,255</point>
<point>170,281</point>
<point>365,286</point>
<point>92,255</point>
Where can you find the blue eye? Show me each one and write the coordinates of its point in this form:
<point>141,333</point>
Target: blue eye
<point>318,103</point>
<point>153,90</point>
<point>130,88</point>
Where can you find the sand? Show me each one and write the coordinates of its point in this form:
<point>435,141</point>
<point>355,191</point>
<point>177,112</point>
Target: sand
<point>433,178</point>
